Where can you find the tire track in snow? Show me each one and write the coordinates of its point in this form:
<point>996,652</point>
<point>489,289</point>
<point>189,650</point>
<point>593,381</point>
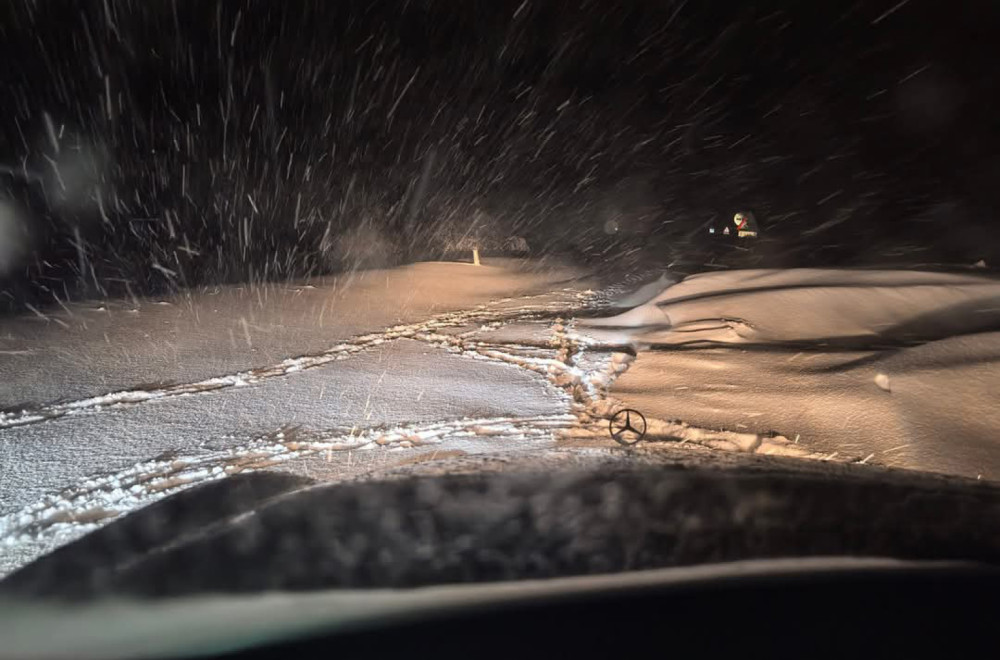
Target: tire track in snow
<point>580,367</point>
<point>74,511</point>
<point>559,360</point>
<point>63,516</point>
<point>488,313</point>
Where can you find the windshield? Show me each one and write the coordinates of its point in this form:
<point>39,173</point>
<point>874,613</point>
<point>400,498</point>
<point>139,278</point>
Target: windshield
<point>255,249</point>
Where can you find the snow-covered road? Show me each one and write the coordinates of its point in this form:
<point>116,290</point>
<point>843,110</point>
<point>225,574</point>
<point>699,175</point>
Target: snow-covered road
<point>85,350</point>
<point>474,376</point>
<point>469,362</point>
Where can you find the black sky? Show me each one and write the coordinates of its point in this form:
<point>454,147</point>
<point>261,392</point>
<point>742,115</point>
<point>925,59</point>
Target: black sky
<point>240,139</point>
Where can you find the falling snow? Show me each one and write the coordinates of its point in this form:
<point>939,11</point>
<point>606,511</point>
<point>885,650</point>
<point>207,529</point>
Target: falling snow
<point>242,236</point>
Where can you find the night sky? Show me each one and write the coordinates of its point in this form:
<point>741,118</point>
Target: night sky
<point>168,144</point>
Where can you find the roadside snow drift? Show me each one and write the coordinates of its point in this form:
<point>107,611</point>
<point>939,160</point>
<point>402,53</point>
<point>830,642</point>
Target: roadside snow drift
<point>810,305</point>
<point>893,367</point>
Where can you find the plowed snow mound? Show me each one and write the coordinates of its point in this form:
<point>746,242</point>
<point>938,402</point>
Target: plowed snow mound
<point>838,307</point>
<point>897,367</point>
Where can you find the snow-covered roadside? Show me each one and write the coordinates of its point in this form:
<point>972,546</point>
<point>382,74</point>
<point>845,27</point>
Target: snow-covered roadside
<point>844,308</point>
<point>890,367</point>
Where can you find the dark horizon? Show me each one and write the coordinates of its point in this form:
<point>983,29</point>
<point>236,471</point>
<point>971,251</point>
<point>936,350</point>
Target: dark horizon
<point>182,143</point>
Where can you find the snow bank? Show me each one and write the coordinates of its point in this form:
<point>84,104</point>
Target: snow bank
<point>810,305</point>
<point>896,367</point>
<point>944,394</point>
